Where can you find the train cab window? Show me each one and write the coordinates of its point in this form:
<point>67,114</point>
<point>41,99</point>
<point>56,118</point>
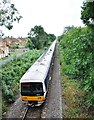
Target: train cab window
<point>31,89</point>
<point>25,88</point>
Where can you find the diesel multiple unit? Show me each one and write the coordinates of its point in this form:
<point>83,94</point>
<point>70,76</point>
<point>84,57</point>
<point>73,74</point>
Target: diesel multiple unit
<point>34,83</point>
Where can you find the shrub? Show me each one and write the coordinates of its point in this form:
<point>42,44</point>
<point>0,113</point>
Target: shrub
<point>77,49</point>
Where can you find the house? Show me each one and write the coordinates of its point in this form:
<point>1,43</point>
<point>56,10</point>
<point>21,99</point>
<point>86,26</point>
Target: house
<point>7,44</point>
<point>4,49</point>
<point>10,41</point>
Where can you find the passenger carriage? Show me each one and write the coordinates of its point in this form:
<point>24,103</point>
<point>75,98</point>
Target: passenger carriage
<point>34,83</point>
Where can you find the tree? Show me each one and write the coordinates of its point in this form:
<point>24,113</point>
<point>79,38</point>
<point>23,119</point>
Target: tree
<point>37,30</point>
<point>87,13</point>
<point>68,28</point>
<point>8,14</point>
<point>38,36</point>
<point>29,44</point>
<point>51,37</point>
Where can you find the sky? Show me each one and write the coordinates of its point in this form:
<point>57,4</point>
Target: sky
<point>52,15</point>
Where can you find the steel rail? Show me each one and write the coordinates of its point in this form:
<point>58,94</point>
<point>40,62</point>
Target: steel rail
<point>26,111</point>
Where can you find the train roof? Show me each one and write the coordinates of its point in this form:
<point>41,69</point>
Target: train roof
<point>34,74</point>
<point>33,77</point>
<point>38,71</point>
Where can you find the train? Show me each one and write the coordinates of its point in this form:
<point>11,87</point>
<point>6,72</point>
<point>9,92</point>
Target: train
<point>34,83</point>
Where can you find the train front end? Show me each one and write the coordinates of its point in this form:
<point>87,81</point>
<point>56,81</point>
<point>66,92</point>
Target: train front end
<point>33,93</point>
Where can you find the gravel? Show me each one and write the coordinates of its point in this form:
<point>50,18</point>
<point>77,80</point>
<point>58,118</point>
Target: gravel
<point>53,106</point>
<point>16,110</point>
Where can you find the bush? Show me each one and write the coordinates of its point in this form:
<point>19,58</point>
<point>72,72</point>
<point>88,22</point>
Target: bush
<point>77,49</point>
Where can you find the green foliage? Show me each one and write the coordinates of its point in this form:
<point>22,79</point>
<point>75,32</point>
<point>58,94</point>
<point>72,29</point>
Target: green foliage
<point>77,61</point>
<point>52,37</point>
<point>67,29</point>
<point>12,73</point>
<point>8,14</point>
<point>29,44</point>
<point>87,13</point>
<point>15,47</point>
<point>37,30</point>
<point>39,38</point>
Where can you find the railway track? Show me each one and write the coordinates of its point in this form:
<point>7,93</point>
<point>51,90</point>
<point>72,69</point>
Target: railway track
<point>30,112</point>
<point>25,113</point>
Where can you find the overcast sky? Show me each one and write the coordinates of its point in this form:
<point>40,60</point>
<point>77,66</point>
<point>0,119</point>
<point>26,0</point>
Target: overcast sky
<point>52,15</point>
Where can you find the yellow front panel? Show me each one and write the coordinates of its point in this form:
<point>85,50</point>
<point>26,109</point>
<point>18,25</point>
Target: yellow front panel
<point>32,98</point>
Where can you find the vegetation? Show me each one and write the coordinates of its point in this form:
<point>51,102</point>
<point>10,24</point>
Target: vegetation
<point>38,38</point>
<point>77,59</point>
<point>11,54</point>
<point>8,14</point>
<point>12,72</point>
<point>72,97</point>
<point>77,55</point>
<point>15,47</point>
<point>0,104</point>
<point>87,13</point>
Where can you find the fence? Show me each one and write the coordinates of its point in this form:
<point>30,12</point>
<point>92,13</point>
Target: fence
<point>10,59</point>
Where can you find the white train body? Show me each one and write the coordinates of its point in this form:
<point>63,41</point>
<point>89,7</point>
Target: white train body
<point>34,83</point>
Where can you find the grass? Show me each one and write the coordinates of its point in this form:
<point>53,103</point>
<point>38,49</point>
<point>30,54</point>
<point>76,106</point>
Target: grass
<point>11,55</point>
<point>72,97</point>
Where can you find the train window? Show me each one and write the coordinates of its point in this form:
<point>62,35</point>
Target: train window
<point>31,89</point>
<point>25,88</point>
